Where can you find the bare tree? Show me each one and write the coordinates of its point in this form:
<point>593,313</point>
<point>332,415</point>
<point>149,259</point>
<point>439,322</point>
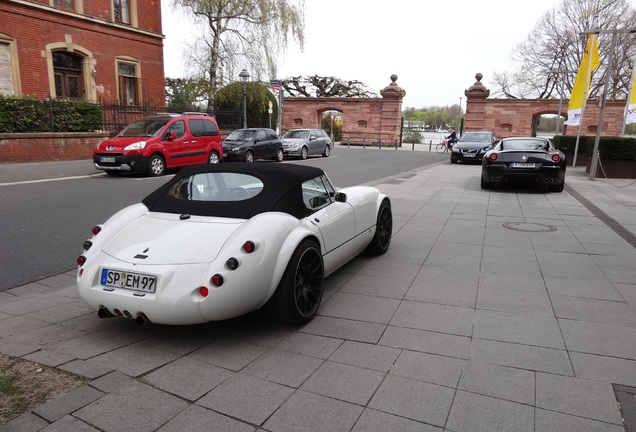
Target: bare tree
<point>550,56</point>
<point>317,86</point>
<point>240,34</point>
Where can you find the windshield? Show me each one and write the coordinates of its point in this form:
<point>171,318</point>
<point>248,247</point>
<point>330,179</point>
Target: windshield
<point>476,137</point>
<point>145,127</point>
<point>297,134</point>
<point>241,135</point>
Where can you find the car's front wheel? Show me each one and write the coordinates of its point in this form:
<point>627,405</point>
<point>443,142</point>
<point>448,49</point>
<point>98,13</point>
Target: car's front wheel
<point>383,230</point>
<point>303,153</point>
<point>213,158</point>
<point>299,292</point>
<point>453,160</point>
<point>327,151</point>
<point>279,155</point>
<point>249,156</point>
<point>156,166</point>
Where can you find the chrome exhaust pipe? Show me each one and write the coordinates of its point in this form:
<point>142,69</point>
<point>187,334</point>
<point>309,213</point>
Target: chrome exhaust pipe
<point>104,313</point>
<point>142,320</point>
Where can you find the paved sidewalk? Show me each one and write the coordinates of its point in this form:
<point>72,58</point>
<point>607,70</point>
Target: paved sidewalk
<point>504,310</point>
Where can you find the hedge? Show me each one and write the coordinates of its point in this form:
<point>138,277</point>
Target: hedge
<point>28,114</point>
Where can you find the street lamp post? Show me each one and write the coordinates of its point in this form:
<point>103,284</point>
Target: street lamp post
<point>244,75</point>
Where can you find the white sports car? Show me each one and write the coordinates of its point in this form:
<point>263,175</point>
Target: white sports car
<point>219,241</point>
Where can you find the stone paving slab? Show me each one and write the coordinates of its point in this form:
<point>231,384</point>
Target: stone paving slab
<point>466,324</point>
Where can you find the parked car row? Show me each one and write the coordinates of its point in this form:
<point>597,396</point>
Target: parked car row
<point>521,160</point>
<point>156,143</point>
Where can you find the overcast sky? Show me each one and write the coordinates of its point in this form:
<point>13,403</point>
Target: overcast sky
<point>435,48</point>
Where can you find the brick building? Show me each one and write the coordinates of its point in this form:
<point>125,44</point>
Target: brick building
<point>97,50</point>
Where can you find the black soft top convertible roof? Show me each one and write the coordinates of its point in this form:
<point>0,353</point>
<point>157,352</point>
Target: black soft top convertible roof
<point>282,191</point>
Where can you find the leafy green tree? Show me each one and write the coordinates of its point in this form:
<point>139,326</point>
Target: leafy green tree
<point>258,96</point>
<point>240,33</point>
<point>184,94</point>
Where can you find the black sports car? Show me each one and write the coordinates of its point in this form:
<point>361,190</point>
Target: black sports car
<point>528,160</point>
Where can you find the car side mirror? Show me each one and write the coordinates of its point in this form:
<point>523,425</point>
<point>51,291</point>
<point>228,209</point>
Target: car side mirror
<point>171,135</point>
<point>341,197</point>
<point>312,138</point>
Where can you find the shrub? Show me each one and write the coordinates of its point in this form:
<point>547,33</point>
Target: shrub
<point>28,114</point>
<point>613,148</point>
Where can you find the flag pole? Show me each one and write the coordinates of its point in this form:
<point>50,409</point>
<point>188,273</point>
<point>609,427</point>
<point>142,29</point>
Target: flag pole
<point>586,90</point>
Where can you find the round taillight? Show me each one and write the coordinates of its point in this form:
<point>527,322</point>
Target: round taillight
<point>87,244</point>
<point>217,280</point>
<point>556,158</point>
<point>81,260</point>
<point>204,291</point>
<point>493,156</point>
<point>232,263</point>
<point>96,229</point>
<point>249,246</point>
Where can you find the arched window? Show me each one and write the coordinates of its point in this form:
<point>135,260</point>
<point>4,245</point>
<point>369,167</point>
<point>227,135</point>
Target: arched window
<point>67,70</point>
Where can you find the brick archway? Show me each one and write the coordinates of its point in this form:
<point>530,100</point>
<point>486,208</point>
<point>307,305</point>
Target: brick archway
<point>517,117</point>
<point>364,120</point>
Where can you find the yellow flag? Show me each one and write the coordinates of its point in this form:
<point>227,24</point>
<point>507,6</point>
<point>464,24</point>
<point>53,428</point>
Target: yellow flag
<point>581,87</point>
<point>631,102</point>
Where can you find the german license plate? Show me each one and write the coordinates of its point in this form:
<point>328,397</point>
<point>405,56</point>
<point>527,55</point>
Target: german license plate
<point>128,280</point>
<point>469,154</point>
<point>521,165</point>
<point>106,159</point>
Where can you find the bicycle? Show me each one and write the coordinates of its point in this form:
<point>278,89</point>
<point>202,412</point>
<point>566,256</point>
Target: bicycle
<point>444,146</point>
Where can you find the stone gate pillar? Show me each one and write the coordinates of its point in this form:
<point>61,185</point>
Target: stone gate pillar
<point>476,96</point>
<point>391,114</point>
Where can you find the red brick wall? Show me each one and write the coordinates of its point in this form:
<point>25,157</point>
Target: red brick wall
<point>48,147</point>
<point>33,28</point>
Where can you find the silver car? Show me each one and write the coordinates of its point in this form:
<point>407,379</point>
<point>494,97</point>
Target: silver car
<point>301,143</point>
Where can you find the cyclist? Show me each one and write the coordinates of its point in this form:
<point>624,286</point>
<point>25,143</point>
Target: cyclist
<point>452,138</point>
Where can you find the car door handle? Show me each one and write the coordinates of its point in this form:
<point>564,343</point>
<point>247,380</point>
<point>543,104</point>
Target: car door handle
<point>186,142</point>
<point>193,142</point>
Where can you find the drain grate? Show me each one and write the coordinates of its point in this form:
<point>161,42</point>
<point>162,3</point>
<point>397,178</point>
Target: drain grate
<point>396,181</point>
<point>626,398</point>
<point>529,227</point>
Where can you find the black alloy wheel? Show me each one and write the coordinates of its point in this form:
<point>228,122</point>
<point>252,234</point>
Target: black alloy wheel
<point>383,230</point>
<point>299,292</point>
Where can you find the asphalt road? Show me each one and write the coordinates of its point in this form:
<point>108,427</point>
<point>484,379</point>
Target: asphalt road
<point>49,208</point>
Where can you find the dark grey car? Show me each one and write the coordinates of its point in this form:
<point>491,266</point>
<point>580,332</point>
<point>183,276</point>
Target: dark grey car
<point>472,146</point>
<point>251,144</point>
<point>301,143</point>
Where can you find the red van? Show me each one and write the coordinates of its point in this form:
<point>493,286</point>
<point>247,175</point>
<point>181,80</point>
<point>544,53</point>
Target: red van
<point>156,143</point>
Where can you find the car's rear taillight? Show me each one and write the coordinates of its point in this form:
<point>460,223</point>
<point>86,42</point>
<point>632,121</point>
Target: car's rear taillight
<point>204,291</point>
<point>217,280</point>
<point>96,229</point>
<point>556,158</point>
<point>81,260</point>
<point>249,246</point>
<point>493,156</point>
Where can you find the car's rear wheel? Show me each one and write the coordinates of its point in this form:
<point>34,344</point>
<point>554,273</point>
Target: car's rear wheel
<point>303,153</point>
<point>279,155</point>
<point>156,166</point>
<point>383,230</point>
<point>485,184</point>
<point>249,156</point>
<point>558,187</point>
<point>213,158</point>
<point>327,151</point>
<point>299,292</point>
<point>113,173</point>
